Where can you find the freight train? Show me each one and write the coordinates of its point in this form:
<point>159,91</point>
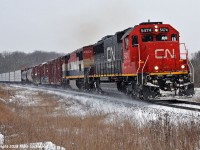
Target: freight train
<point>142,60</point>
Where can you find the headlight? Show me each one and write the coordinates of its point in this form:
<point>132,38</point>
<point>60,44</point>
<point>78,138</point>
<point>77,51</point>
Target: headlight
<point>182,66</point>
<point>156,68</point>
<point>156,30</point>
<point>156,26</point>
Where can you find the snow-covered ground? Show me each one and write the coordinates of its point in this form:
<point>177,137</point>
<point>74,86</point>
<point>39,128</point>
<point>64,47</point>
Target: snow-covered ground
<point>83,104</point>
<point>1,139</point>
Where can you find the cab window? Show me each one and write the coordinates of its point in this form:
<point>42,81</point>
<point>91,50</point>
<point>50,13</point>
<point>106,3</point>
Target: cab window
<point>134,41</point>
<point>161,38</point>
<point>174,37</point>
<point>147,38</point>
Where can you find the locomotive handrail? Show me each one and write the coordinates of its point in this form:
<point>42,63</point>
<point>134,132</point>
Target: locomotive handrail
<point>184,45</point>
<point>138,61</point>
<point>191,70</point>
<point>186,52</point>
<point>189,64</point>
<point>143,67</point>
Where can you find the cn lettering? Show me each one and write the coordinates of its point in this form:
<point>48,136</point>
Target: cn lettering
<point>166,53</point>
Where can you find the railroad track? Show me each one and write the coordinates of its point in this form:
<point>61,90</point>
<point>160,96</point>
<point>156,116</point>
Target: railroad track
<point>176,103</point>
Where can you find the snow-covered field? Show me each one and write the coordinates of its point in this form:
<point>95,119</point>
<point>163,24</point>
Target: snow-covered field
<point>83,104</point>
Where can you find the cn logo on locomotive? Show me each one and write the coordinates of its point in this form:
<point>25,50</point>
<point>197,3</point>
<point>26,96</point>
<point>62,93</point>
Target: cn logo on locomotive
<point>110,54</point>
<point>164,53</point>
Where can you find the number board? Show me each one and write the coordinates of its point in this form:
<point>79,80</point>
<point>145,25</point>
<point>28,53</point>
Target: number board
<point>164,30</point>
<point>146,30</point>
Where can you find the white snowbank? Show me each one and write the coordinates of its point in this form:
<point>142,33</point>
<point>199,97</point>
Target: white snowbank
<point>1,139</point>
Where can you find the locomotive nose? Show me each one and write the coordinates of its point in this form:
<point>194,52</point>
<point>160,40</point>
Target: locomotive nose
<point>163,57</point>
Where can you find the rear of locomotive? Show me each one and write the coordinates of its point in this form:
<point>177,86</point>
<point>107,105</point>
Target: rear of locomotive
<point>160,62</point>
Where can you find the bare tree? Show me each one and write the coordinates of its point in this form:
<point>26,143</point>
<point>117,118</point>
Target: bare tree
<point>196,63</point>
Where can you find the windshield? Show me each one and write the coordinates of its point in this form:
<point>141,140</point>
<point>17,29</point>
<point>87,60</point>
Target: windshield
<point>161,38</point>
<point>149,38</point>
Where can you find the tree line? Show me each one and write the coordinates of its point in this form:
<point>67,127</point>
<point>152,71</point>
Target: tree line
<point>10,61</point>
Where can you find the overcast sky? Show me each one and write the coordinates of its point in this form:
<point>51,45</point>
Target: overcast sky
<point>66,25</point>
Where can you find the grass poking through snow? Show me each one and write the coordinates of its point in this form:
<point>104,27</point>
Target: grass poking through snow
<point>43,121</point>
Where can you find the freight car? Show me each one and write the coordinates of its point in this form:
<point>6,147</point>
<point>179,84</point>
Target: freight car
<point>14,77</point>
<point>141,60</point>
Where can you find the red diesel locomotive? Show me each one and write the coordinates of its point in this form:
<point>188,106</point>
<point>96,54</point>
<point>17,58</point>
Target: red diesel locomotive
<point>153,59</point>
<point>142,61</point>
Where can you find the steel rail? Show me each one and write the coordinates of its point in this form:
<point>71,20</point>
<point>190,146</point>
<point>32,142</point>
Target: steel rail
<point>174,104</point>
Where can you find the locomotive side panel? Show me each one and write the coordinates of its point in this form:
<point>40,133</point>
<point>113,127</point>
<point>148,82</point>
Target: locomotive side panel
<point>65,60</point>
<point>108,55</point>
<point>130,57</point>
<point>99,58</point>
<point>79,63</point>
<point>113,54</point>
<point>88,59</point>
<point>75,64</point>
